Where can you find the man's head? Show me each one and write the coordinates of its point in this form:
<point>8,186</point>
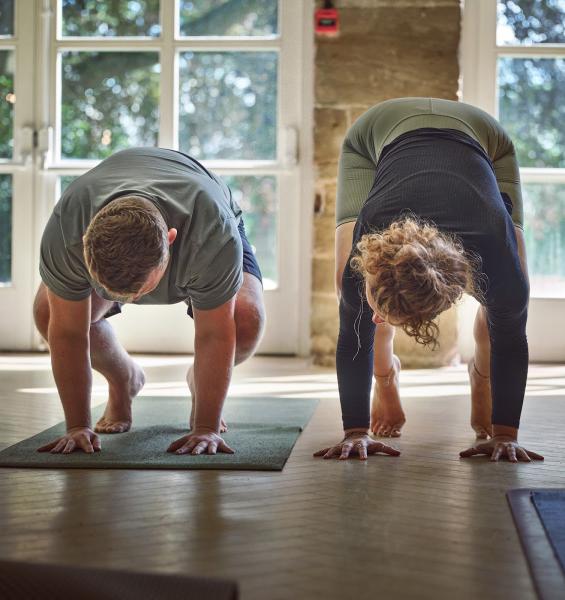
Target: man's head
<point>126,247</point>
<point>413,273</point>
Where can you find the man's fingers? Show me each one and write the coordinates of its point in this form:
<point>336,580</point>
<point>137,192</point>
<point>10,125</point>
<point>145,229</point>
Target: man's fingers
<point>534,455</point>
<point>96,444</point>
<point>84,443</point>
<point>187,447</point>
<point>176,445</point>
<point>223,447</point>
<point>200,447</point>
<point>59,446</point>
<point>69,446</point>
<point>212,448</point>
<point>48,447</point>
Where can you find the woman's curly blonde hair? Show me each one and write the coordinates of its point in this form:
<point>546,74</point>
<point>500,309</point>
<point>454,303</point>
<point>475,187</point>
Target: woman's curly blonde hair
<point>414,273</point>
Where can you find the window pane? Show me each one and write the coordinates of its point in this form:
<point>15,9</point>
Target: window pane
<point>530,22</point>
<point>6,17</point>
<point>228,17</point>
<point>532,110</point>
<point>228,105</point>
<point>110,101</point>
<point>7,101</point>
<point>65,181</point>
<point>257,197</point>
<point>544,210</point>
<point>5,229</point>
<point>111,18</point>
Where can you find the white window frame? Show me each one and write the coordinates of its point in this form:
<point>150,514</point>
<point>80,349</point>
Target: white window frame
<point>478,61</point>
<point>292,166</point>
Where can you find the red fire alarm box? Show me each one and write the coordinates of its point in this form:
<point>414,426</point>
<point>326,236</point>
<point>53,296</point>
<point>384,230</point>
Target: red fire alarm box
<point>327,20</point>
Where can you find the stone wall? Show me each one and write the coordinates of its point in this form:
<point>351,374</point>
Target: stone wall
<point>385,49</point>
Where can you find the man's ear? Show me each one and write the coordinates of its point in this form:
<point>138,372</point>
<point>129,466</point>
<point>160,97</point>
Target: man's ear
<point>172,235</point>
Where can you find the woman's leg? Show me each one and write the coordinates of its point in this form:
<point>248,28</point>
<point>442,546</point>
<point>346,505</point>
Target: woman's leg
<point>387,416</point>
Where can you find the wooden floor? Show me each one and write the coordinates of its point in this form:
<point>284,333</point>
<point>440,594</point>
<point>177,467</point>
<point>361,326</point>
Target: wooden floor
<point>425,525</point>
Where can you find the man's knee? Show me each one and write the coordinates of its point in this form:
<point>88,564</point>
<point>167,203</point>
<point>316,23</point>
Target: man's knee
<point>250,322</point>
<point>41,311</point>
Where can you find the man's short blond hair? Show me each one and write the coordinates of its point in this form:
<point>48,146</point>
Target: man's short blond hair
<point>124,243</point>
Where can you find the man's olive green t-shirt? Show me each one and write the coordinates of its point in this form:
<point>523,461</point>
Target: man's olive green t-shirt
<point>206,256</point>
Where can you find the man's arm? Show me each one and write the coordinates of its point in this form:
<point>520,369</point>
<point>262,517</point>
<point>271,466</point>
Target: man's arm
<point>68,338</point>
<point>214,353</point>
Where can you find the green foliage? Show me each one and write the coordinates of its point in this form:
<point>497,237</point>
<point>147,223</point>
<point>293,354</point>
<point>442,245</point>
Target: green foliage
<point>111,18</point>
<point>5,228</point>
<point>545,228</point>
<point>110,102</point>
<point>6,17</point>
<point>228,105</point>
<point>6,108</point>
<point>531,108</point>
<point>257,197</point>
<point>533,21</point>
<point>228,17</point>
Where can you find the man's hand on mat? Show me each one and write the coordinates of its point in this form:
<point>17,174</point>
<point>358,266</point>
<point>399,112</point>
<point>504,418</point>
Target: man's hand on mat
<point>357,444</point>
<point>200,441</point>
<point>76,438</point>
<point>502,446</point>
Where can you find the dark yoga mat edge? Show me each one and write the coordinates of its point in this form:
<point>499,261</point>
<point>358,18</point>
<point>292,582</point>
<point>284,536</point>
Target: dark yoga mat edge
<point>546,571</point>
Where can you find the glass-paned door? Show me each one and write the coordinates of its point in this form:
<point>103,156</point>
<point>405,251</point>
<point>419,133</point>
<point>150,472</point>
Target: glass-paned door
<point>16,175</point>
<point>214,79</point>
<point>517,73</point>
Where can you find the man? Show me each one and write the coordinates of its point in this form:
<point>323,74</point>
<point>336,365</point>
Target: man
<point>149,226</point>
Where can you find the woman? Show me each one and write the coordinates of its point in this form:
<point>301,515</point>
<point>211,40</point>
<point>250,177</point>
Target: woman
<point>429,206</point>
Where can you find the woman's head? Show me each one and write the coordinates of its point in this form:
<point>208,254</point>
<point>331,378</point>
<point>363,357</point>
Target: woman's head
<point>126,247</point>
<point>412,274</point>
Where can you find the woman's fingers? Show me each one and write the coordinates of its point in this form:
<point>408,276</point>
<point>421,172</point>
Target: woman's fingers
<point>523,455</point>
<point>383,448</point>
<point>471,452</point>
<point>361,450</point>
<point>345,450</point>
<point>511,453</point>
<point>321,452</point>
<point>534,455</point>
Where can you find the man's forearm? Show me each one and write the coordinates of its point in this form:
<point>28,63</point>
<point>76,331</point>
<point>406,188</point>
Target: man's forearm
<point>70,361</point>
<point>213,365</point>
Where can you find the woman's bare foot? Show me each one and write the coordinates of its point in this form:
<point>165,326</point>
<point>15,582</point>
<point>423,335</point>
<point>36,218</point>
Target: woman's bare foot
<point>481,402</point>
<point>190,381</point>
<point>117,415</point>
<point>387,416</point>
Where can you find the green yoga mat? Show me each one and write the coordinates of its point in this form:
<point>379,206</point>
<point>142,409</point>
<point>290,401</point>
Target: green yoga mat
<point>262,431</point>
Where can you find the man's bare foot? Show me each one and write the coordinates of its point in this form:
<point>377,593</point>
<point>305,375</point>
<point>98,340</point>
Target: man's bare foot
<point>117,415</point>
<point>481,402</point>
<point>387,416</point>
<point>190,381</point>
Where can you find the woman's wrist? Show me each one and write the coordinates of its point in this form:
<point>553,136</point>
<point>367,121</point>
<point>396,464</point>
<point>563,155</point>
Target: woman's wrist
<point>355,431</point>
<point>504,431</point>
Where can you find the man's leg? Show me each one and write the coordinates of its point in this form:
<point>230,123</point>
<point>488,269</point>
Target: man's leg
<point>387,416</point>
<point>108,357</point>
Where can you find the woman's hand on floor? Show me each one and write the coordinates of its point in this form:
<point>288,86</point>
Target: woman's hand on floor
<point>200,442</point>
<point>77,438</point>
<point>502,446</point>
<point>357,444</point>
